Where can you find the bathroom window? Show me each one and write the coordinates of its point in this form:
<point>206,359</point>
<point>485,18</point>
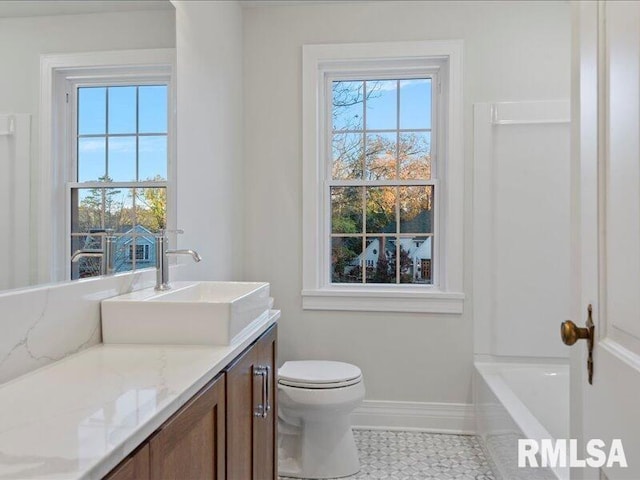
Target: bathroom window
<point>121,157</point>
<point>382,187</point>
<point>382,177</point>
<point>107,167</point>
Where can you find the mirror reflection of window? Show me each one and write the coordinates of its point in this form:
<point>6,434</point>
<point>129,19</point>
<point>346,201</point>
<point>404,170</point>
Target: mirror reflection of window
<point>121,137</point>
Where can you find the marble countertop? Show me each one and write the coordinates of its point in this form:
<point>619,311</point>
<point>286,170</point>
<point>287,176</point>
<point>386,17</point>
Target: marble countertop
<point>79,417</point>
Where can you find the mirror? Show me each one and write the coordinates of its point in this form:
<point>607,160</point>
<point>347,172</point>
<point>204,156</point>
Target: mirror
<point>29,29</point>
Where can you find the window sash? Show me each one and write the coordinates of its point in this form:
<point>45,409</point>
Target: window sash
<point>117,235</point>
<point>73,86</point>
<point>327,131</point>
<point>71,140</point>
<point>326,138</point>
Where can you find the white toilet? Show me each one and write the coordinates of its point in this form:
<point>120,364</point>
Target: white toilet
<point>315,399</point>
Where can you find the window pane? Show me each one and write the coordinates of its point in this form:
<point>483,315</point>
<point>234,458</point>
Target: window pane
<point>122,159</point>
<point>382,104</point>
<point>100,208</point>
<point>151,210</point>
<point>92,110</point>
<point>415,156</point>
<point>152,158</point>
<point>86,209</point>
<point>346,256</point>
<point>347,105</point>
<point>381,209</point>
<point>416,256</point>
<point>380,260</point>
<point>346,209</point>
<point>92,159</point>
<point>153,109</point>
<point>122,262</point>
<point>86,266</point>
<point>415,104</point>
<point>119,209</point>
<point>138,249</point>
<point>416,209</point>
<point>348,156</point>
<point>122,110</point>
<point>381,156</point>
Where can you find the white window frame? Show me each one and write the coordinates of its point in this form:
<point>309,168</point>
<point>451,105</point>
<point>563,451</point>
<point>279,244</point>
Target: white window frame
<point>442,59</point>
<point>56,170</point>
<point>146,248</point>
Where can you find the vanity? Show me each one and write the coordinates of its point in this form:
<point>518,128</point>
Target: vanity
<point>220,432</point>
<point>152,411</point>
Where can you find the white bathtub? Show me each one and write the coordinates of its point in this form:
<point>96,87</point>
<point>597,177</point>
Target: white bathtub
<point>515,401</point>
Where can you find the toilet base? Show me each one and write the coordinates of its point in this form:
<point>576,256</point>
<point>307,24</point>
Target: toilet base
<point>327,449</point>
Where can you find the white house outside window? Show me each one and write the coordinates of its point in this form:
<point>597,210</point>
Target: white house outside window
<point>383,177</point>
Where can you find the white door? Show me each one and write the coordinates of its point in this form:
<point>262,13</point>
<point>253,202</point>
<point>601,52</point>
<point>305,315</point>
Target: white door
<point>606,196</point>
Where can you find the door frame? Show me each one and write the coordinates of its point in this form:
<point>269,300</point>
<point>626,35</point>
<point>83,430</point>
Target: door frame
<point>585,144</point>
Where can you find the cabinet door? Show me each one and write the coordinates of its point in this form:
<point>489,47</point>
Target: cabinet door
<point>250,434</point>
<point>191,445</point>
<point>241,401</point>
<point>265,429</point>
<point>136,467</point>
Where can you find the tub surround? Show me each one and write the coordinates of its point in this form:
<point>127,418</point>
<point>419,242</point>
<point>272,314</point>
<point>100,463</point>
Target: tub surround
<point>519,146</point>
<point>81,416</point>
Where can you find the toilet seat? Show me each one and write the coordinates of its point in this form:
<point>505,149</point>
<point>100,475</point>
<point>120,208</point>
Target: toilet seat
<point>318,374</point>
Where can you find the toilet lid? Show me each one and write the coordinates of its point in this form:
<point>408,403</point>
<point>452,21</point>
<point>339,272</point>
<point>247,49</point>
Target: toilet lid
<point>318,374</point>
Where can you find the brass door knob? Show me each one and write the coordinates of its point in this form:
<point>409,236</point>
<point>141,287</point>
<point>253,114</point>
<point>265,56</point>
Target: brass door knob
<point>571,333</point>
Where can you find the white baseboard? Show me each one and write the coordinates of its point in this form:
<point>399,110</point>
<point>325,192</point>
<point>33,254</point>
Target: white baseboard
<point>418,416</point>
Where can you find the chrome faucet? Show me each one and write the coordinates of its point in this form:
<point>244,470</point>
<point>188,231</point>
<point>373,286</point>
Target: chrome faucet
<point>107,254</point>
<point>162,264</point>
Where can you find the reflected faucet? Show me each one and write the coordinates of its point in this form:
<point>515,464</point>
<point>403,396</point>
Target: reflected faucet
<point>106,255</point>
<point>162,264</point>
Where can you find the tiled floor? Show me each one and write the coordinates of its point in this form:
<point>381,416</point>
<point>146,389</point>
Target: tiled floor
<point>417,455</point>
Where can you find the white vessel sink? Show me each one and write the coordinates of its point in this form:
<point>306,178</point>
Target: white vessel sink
<point>191,313</point>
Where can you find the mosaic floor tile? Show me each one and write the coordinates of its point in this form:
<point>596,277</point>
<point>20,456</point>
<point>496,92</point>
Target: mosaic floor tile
<point>419,456</point>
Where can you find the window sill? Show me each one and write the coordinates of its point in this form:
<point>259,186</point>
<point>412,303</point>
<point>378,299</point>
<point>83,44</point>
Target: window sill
<point>405,301</point>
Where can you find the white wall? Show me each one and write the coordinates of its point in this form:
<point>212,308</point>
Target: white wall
<point>15,159</point>
<point>210,140</point>
<point>512,51</point>
<point>24,39</point>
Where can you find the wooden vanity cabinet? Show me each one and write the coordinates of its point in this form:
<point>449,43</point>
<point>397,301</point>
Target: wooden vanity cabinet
<point>252,412</point>
<point>136,467</point>
<point>192,443</point>
<point>227,430</point>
